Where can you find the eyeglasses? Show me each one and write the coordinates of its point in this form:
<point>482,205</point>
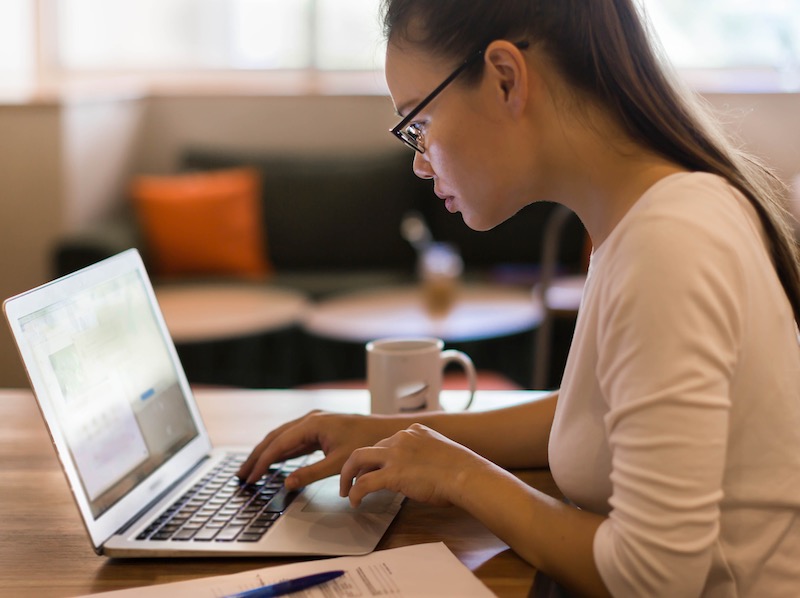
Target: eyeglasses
<point>411,133</point>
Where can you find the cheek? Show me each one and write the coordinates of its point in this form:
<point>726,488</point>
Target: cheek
<point>470,164</point>
<point>459,174</point>
<point>476,192</point>
<point>457,161</point>
<point>478,179</point>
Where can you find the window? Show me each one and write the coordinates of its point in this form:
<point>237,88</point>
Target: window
<point>16,42</point>
<point>756,38</point>
<point>75,37</point>
<point>98,35</point>
<point>728,33</point>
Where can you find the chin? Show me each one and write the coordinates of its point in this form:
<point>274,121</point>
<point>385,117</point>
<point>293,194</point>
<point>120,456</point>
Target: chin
<point>480,223</point>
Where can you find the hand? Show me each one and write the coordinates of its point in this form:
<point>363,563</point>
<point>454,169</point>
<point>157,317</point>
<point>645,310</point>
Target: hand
<point>337,435</point>
<point>417,462</point>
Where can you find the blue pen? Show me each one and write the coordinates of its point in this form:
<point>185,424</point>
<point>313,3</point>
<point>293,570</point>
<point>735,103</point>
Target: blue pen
<point>287,587</point>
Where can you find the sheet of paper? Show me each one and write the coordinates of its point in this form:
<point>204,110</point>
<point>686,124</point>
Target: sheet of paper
<point>419,571</point>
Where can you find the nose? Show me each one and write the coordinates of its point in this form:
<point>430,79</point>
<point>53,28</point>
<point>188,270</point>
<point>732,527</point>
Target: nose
<point>421,166</point>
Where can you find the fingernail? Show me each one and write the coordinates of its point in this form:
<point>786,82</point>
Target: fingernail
<point>291,483</point>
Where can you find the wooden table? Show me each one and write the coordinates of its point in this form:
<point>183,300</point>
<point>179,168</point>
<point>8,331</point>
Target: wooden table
<point>480,312</point>
<point>45,553</point>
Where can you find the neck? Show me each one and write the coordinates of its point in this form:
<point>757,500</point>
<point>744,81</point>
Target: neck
<point>606,193</point>
<point>599,173</point>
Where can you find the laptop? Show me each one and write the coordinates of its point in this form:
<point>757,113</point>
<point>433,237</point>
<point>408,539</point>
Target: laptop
<point>132,444</point>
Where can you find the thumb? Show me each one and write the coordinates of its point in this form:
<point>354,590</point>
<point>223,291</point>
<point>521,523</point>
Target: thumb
<point>311,473</point>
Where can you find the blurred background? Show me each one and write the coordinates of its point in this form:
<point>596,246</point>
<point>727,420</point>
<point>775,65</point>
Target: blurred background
<point>94,92</point>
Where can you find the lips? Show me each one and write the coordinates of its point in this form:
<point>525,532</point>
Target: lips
<point>442,195</point>
<point>449,200</point>
<point>449,203</point>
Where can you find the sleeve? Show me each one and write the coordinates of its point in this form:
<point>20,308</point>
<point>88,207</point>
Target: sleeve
<point>667,346</point>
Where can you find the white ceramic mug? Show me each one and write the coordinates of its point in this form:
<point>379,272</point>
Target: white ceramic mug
<point>404,375</point>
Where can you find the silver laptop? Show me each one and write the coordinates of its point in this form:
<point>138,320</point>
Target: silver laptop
<point>130,439</point>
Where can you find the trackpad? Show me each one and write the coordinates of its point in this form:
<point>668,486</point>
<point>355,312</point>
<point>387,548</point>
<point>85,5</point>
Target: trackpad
<point>326,499</point>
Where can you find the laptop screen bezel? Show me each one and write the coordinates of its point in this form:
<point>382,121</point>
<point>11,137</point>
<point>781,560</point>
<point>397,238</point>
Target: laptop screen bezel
<point>121,513</point>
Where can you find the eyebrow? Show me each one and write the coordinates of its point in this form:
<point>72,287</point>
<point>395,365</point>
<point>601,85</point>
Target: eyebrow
<point>405,108</point>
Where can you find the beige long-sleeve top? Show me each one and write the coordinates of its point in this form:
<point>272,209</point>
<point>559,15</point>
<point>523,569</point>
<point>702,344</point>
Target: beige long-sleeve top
<point>679,412</point>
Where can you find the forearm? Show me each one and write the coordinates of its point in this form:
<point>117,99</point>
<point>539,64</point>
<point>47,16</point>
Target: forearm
<point>512,437</point>
<point>551,535</point>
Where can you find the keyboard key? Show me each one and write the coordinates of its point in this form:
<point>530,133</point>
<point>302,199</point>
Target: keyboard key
<point>184,534</point>
<point>280,501</point>
<point>220,507</point>
<point>205,535</point>
<point>229,533</point>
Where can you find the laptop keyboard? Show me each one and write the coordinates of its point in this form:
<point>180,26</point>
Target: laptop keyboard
<point>220,508</point>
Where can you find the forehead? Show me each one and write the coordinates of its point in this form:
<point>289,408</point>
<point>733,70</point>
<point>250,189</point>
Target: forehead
<point>411,74</point>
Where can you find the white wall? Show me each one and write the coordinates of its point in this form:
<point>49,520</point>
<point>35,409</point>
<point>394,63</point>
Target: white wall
<point>282,125</point>
<point>66,165</point>
<point>768,124</point>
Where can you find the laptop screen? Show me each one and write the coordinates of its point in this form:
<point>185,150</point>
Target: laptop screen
<point>112,385</point>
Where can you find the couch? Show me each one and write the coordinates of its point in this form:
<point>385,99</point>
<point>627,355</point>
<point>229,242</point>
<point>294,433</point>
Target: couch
<point>333,225</point>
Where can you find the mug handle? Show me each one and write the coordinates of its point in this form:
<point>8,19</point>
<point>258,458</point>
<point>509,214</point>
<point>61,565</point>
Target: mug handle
<point>454,356</point>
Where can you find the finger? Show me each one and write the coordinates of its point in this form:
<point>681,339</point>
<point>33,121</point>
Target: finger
<point>311,473</point>
<point>249,463</point>
<point>346,483</point>
<point>293,442</point>
<point>360,460</point>
<point>275,455</point>
<point>363,460</point>
<point>367,483</point>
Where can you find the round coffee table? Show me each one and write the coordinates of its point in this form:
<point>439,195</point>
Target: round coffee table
<point>479,312</point>
<point>205,312</point>
<point>236,334</point>
<point>491,323</point>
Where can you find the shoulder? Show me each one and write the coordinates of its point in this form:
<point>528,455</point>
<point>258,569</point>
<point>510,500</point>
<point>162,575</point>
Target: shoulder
<point>685,247</point>
<point>670,285</point>
<point>686,222</point>
<point>692,205</point>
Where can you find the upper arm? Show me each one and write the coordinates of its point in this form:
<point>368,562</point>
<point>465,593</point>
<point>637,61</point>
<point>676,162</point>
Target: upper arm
<point>668,349</point>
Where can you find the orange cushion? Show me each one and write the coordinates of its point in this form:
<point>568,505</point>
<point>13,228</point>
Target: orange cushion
<point>204,223</point>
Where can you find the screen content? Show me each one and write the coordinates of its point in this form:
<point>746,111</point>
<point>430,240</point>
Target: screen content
<point>111,384</point>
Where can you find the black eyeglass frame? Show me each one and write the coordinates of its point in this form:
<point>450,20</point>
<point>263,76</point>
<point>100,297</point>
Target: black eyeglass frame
<point>399,130</point>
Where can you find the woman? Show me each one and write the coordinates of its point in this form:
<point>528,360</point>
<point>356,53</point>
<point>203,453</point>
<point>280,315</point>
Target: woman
<point>676,432</point>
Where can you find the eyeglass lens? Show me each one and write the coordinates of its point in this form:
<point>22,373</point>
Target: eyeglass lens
<point>412,135</point>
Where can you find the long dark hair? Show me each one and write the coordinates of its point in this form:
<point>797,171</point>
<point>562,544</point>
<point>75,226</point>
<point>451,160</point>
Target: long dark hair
<point>602,48</point>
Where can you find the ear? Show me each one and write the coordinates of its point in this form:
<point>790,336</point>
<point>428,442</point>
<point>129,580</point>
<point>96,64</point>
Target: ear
<point>507,69</point>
